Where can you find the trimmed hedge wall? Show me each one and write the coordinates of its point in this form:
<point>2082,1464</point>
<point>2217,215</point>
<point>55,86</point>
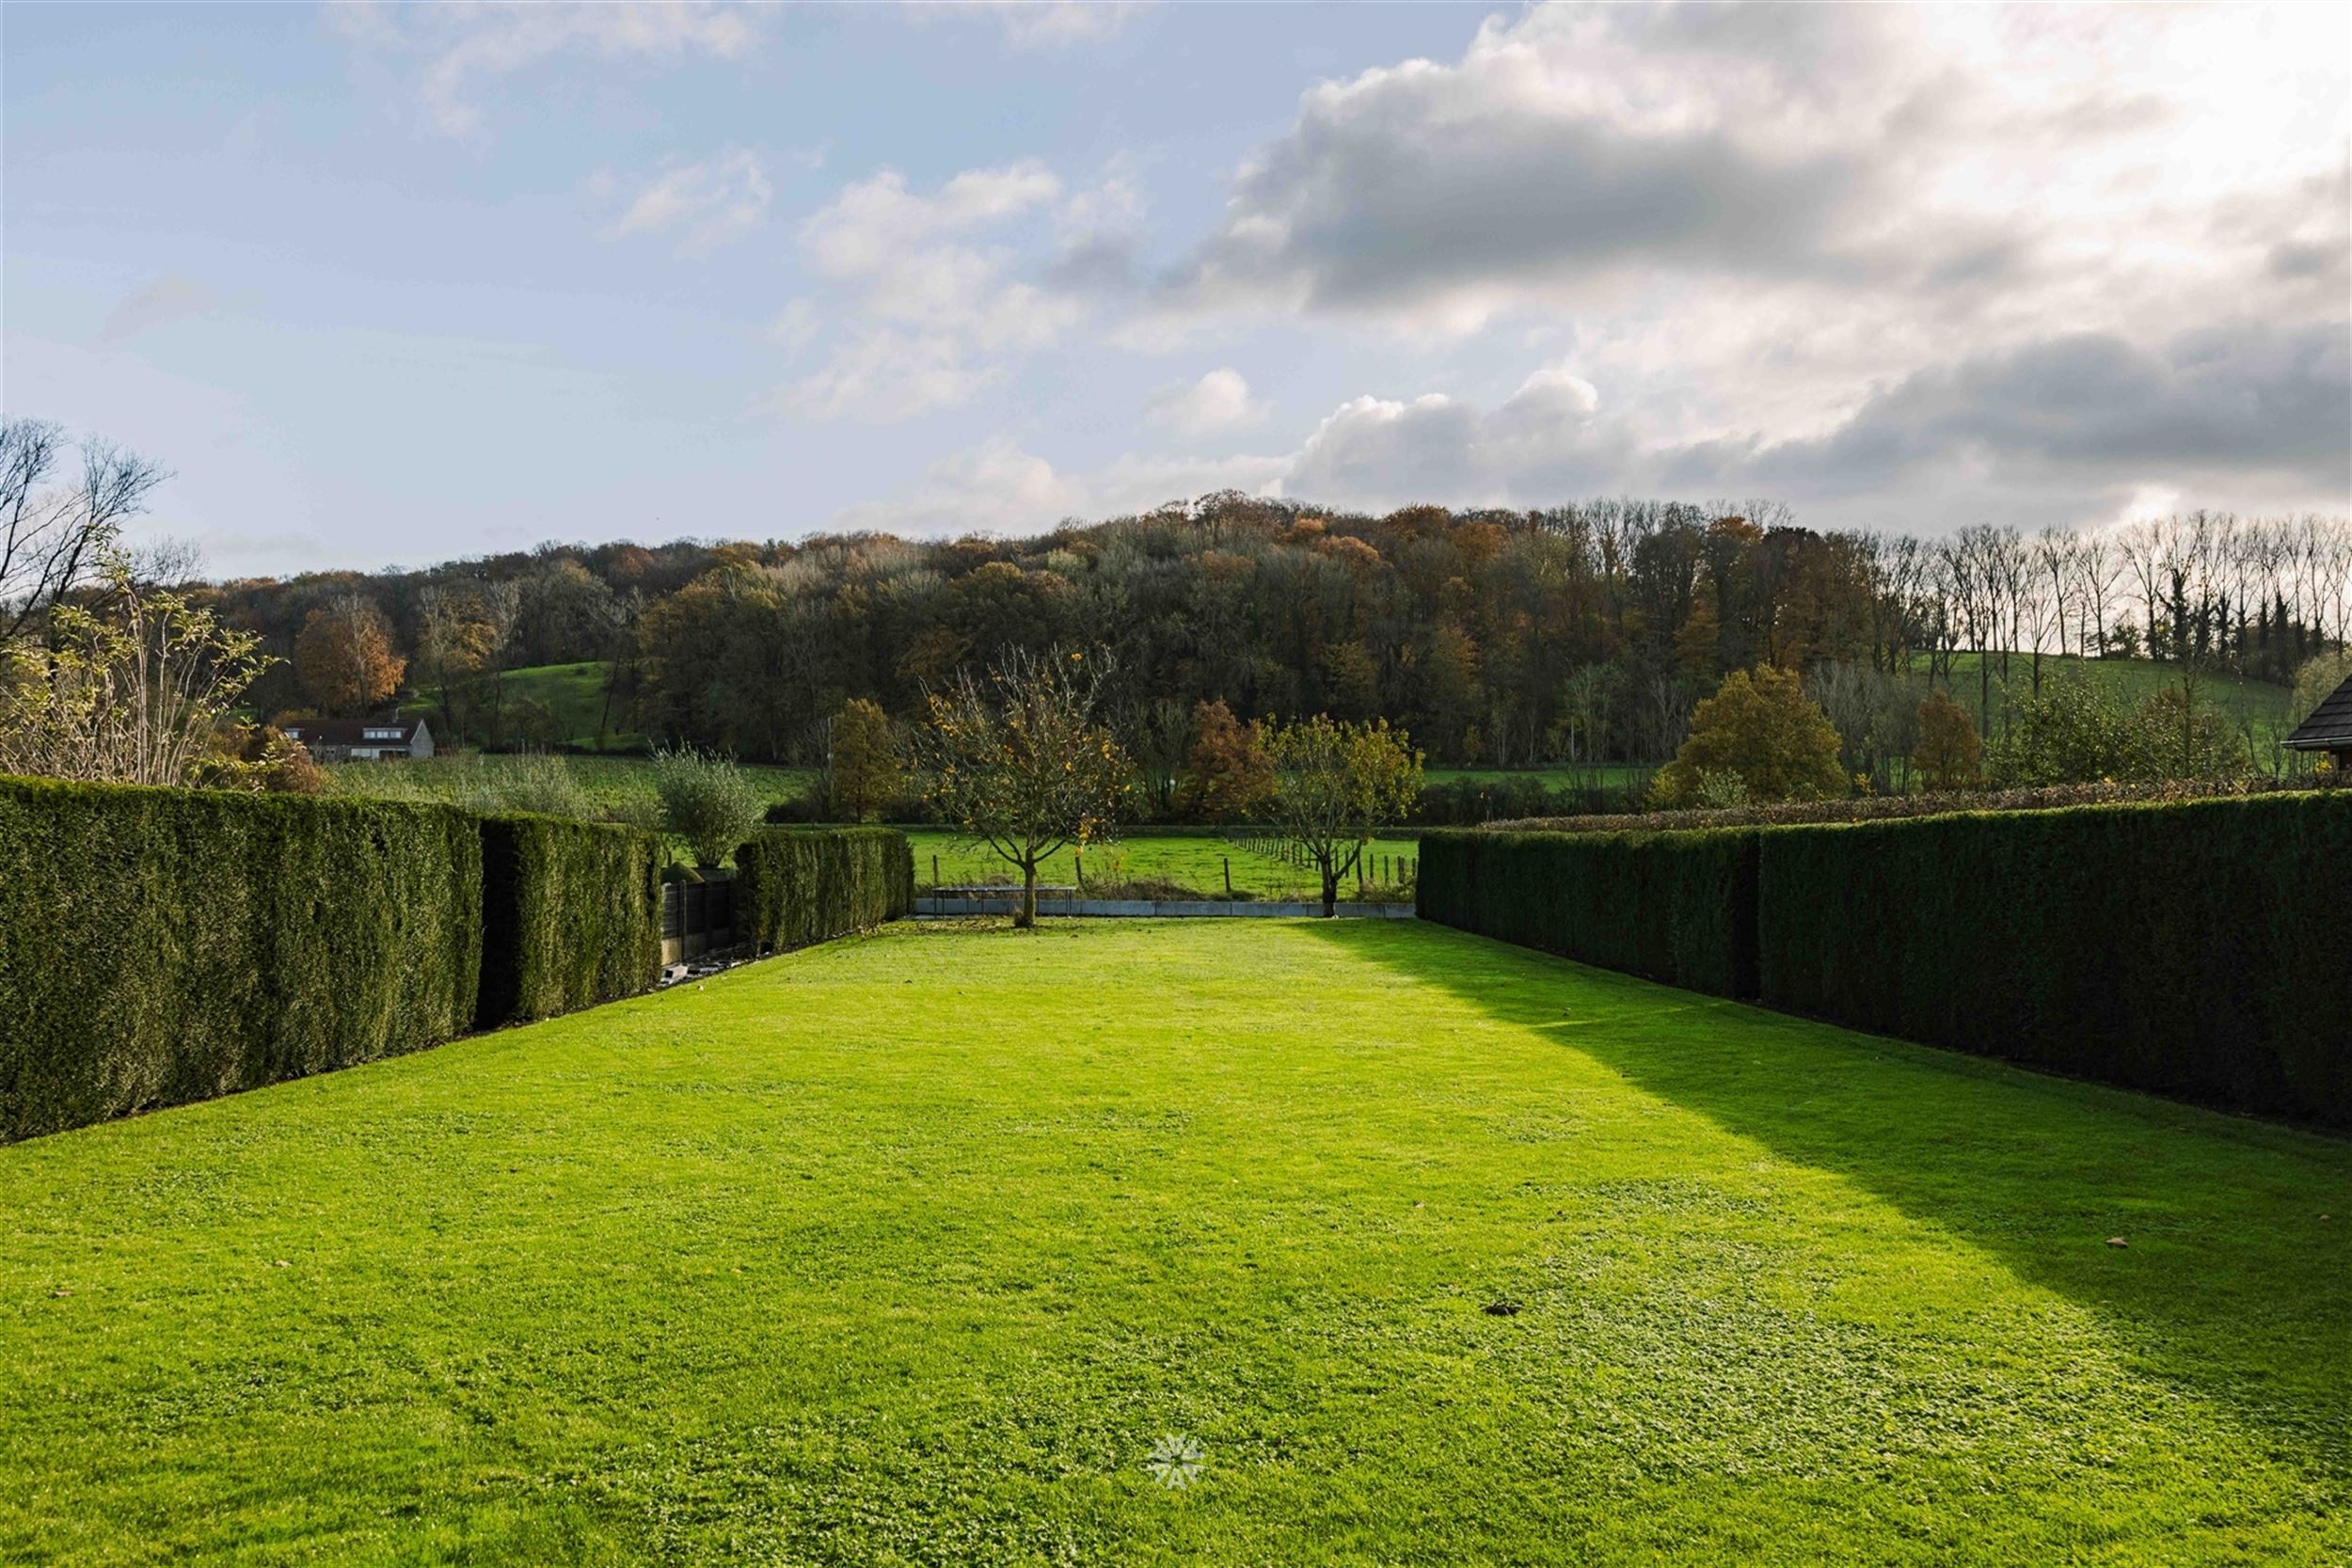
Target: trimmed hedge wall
<point>2200,949</point>
<point>571,916</point>
<point>793,887</point>
<point>163,946</point>
<point>1678,907</point>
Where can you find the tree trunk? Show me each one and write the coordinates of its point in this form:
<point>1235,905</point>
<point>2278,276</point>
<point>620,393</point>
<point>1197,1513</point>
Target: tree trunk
<point>1027,918</point>
<point>1330,891</point>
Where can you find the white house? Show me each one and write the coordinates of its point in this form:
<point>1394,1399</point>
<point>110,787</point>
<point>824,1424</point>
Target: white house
<point>362,739</point>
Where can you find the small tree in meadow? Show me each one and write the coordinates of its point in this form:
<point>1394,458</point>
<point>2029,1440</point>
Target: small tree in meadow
<point>1761,726</point>
<point>1950,754</point>
<point>706,799</point>
<point>1018,761</point>
<point>1335,786</point>
<point>865,772</point>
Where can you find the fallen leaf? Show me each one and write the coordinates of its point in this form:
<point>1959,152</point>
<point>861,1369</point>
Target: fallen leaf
<point>2117,1241</point>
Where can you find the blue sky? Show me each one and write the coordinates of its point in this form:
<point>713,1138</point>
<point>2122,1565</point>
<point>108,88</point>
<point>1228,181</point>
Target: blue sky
<point>396,285</point>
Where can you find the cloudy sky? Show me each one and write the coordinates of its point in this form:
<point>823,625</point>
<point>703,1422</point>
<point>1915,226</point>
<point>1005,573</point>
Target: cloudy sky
<point>394,285</point>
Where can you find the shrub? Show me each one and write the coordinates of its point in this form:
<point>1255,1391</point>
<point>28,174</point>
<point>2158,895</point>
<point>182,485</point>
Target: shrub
<point>2198,948</point>
<point>532,782</point>
<point>165,945</point>
<point>706,799</point>
<point>571,916</point>
<point>1883,807</point>
<point>1677,907</point>
<point>793,887</point>
<point>2073,731</point>
<point>2194,947</point>
<point>1761,728</point>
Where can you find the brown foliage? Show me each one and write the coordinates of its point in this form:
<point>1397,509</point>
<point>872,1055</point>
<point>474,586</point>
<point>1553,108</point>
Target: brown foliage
<point>1949,755</point>
<point>1229,775</point>
<point>344,659</point>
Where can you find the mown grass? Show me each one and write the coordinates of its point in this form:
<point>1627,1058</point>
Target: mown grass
<point>1199,863</point>
<point>907,1250</point>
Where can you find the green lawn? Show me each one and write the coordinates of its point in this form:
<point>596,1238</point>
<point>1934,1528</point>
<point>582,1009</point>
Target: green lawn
<point>1197,862</point>
<point>908,1249</point>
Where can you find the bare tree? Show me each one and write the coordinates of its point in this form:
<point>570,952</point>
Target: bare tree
<point>54,537</point>
<point>2046,594</point>
<point>2095,567</point>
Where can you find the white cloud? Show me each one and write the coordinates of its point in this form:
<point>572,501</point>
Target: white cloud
<point>470,46</point>
<point>931,305</point>
<point>1044,24</point>
<point>708,203</point>
<point>2017,158</point>
<point>874,223</point>
<point>1219,401</point>
<point>1862,251</point>
<point>795,326</point>
<point>998,487</point>
<point>883,376</point>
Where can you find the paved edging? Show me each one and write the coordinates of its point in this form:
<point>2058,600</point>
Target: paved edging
<point>1160,909</point>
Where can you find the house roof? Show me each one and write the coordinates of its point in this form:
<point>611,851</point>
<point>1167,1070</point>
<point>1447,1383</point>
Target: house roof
<point>2329,727</point>
<point>353,732</point>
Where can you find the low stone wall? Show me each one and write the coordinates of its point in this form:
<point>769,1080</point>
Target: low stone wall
<point>1159,908</point>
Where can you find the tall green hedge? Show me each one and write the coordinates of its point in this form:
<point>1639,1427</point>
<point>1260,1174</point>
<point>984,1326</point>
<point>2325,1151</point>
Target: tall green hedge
<point>2202,949</point>
<point>571,916</point>
<point>1678,907</point>
<point>163,946</point>
<point>793,887</point>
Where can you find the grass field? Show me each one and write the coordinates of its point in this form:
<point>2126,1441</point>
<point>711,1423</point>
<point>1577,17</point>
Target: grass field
<point>574,693</point>
<point>1197,862</point>
<point>908,1250</point>
<point>2131,680</point>
<point>607,780</point>
<point>1605,775</point>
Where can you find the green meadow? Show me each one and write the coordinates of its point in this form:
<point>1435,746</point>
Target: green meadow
<point>914,1249</point>
<point>1201,862</point>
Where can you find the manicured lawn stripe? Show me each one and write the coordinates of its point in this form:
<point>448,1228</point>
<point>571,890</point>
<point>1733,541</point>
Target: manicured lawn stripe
<point>906,1249</point>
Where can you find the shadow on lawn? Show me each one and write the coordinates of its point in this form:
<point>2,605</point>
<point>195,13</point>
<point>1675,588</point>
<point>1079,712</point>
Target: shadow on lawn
<point>2231,1286</point>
